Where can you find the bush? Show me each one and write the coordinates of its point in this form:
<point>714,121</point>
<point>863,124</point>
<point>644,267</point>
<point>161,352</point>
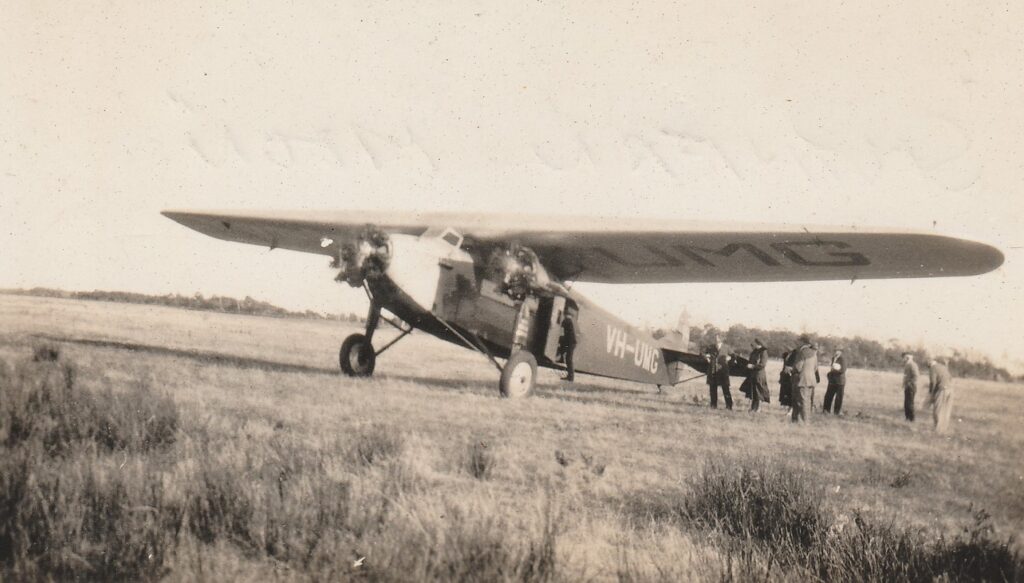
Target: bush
<point>43,403</point>
<point>67,509</point>
<point>977,556</point>
<point>757,501</point>
<point>782,515</point>
<point>886,552</point>
<point>77,520</point>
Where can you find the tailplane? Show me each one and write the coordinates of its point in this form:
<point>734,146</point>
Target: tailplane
<point>677,339</point>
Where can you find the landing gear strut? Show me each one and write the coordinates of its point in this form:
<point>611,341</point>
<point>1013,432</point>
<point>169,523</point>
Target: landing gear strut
<point>519,374</point>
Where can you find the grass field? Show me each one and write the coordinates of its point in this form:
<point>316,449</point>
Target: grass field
<point>255,459</point>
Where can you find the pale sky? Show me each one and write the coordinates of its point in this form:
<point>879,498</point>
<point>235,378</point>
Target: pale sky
<point>905,115</point>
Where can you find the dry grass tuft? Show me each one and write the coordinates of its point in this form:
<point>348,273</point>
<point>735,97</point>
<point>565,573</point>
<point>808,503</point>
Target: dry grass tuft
<point>480,460</point>
<point>46,353</point>
<point>377,442</point>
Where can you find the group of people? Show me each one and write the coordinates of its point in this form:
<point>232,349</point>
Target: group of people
<point>800,375</point>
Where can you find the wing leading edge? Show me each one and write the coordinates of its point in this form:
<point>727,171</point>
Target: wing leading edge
<point>634,251</point>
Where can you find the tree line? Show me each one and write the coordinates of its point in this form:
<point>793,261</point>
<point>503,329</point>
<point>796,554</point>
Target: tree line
<point>247,306</point>
<point>858,352</point>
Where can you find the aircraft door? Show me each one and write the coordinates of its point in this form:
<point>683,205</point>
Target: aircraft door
<point>552,326</point>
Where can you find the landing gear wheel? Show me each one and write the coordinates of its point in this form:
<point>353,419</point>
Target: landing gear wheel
<point>518,376</point>
<point>356,356</point>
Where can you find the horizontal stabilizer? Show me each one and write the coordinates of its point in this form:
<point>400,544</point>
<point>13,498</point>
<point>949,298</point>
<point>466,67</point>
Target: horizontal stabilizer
<point>737,364</point>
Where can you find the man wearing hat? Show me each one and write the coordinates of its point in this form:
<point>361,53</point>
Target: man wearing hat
<point>836,383</point>
<point>567,344</point>
<point>805,369</point>
<point>756,376</point>
<point>910,374</point>
<point>718,373</point>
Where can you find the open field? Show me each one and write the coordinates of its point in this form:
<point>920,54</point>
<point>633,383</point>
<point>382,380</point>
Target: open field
<point>576,482</point>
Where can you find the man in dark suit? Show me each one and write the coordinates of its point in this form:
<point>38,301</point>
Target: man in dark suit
<point>786,379</point>
<point>718,373</point>
<point>756,375</point>
<point>910,374</point>
<point>836,383</point>
<point>568,344</point>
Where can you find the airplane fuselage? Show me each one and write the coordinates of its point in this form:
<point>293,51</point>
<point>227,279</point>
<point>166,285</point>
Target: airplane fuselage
<point>445,293</point>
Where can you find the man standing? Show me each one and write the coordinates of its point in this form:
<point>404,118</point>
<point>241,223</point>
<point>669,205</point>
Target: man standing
<point>756,376</point>
<point>836,383</point>
<point>910,374</point>
<point>786,379</point>
<point>940,394</point>
<point>568,344</point>
<point>718,373</point>
<point>805,368</point>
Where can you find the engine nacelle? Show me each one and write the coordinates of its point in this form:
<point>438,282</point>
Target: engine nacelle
<point>520,273</point>
<point>366,258</point>
<point>411,263</point>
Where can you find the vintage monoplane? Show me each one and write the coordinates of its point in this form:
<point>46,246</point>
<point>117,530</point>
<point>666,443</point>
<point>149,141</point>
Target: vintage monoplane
<point>501,284</point>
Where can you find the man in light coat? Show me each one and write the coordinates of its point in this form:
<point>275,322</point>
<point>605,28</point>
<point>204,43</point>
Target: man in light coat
<point>805,377</point>
<point>940,394</point>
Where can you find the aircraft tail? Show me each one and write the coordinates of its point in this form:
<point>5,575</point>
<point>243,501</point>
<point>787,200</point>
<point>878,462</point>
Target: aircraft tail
<point>682,359</point>
<point>675,346</point>
<point>677,339</point>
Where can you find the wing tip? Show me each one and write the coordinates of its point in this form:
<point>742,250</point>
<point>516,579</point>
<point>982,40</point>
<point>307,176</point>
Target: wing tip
<point>176,214</point>
<point>991,258</point>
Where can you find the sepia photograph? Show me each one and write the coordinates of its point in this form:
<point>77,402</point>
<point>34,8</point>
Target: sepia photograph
<point>541,291</point>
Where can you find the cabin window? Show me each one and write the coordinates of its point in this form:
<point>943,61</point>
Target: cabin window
<point>452,238</point>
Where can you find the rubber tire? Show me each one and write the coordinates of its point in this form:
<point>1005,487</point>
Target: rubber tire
<point>365,357</point>
<point>514,382</point>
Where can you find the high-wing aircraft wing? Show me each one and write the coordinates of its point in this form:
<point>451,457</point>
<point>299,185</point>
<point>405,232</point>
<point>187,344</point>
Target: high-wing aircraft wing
<point>634,251</point>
